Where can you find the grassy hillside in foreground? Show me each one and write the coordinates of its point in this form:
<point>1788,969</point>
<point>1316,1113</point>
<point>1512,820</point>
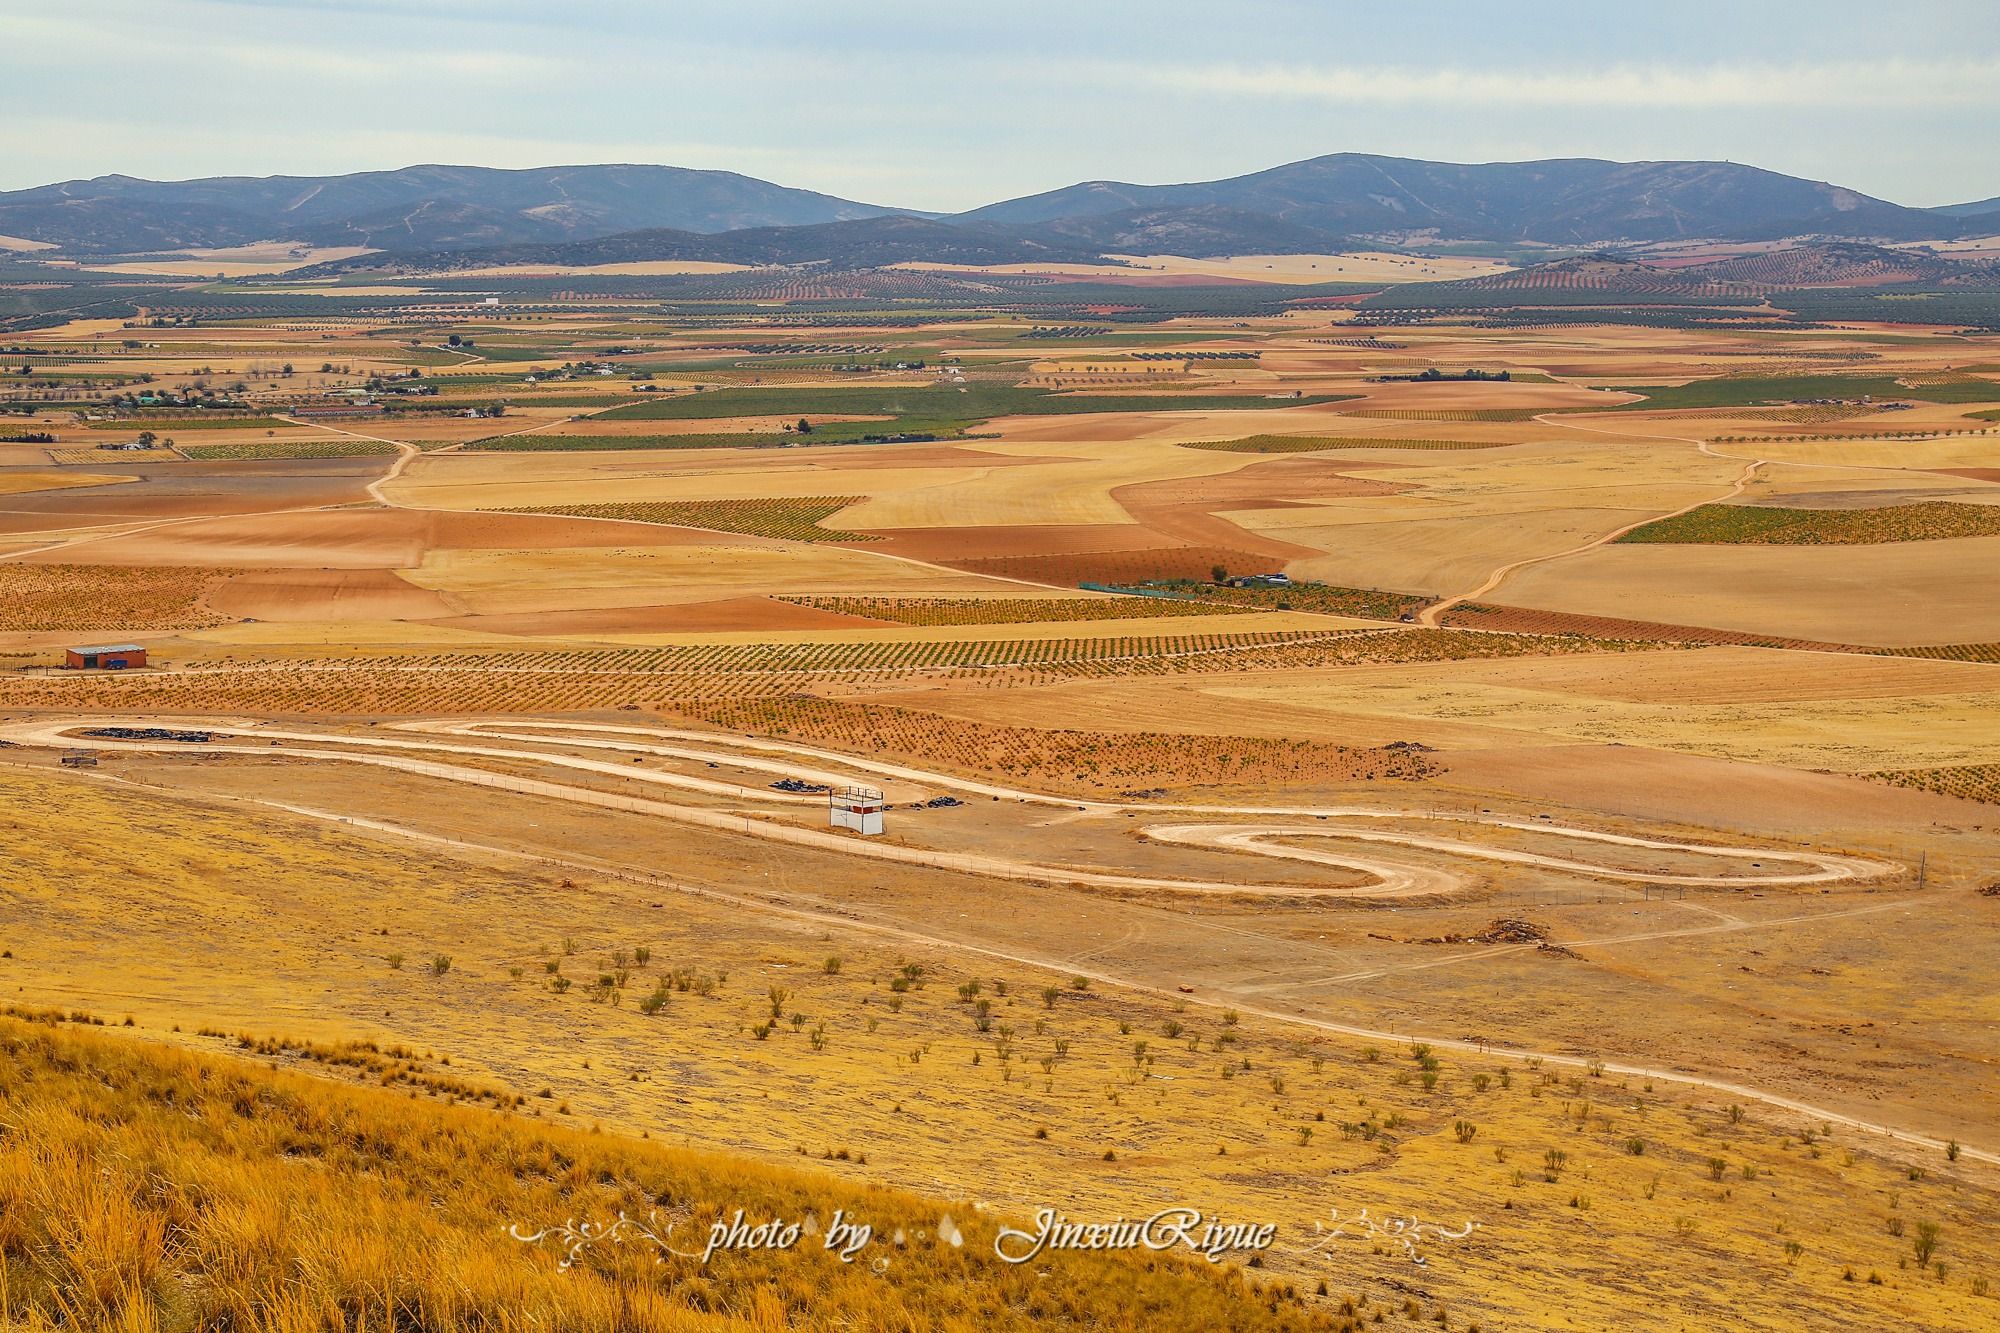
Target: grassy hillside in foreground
<point>143,1187</point>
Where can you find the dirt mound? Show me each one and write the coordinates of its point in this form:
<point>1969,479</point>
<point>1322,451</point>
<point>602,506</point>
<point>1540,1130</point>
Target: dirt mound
<point>1507,930</point>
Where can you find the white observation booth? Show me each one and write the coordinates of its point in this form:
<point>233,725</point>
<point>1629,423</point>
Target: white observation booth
<point>858,808</point>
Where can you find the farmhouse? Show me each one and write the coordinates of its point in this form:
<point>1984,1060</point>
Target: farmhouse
<point>114,656</point>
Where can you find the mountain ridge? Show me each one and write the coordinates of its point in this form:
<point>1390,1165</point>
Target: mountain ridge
<point>1318,205</point>
<point>1556,201</point>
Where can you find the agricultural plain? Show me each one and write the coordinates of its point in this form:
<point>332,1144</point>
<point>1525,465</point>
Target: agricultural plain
<point>1589,804</point>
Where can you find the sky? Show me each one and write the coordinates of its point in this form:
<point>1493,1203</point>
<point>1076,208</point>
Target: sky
<point>943,106</point>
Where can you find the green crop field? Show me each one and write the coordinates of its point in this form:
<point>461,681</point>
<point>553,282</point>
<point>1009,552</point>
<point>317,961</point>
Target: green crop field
<point>1319,598</point>
<point>793,519</point>
<point>1462,413</point>
<point>1747,525</point>
<point>591,443</point>
<point>1752,392</point>
<point>194,423</point>
<point>291,449</point>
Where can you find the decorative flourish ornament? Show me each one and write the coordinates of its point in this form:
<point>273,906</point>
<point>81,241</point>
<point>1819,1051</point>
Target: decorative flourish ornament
<point>1406,1232</point>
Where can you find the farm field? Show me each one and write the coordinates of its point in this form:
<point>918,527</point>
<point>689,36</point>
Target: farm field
<point>521,726</point>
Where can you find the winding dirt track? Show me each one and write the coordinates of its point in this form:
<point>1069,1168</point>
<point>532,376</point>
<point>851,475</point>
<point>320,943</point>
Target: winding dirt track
<point>1231,998</point>
<point>1394,879</point>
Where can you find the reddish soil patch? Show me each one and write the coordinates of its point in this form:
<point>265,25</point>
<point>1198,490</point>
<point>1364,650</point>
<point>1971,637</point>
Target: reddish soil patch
<point>364,539</point>
<point>951,545</point>
<point>736,613</point>
<point>1696,789</point>
<point>180,490</point>
<point>1526,620</point>
<point>1973,473</point>
<point>324,594</point>
<point>1122,567</point>
<point>1184,506</point>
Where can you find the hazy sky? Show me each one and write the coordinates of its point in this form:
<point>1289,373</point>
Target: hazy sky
<point>947,106</point>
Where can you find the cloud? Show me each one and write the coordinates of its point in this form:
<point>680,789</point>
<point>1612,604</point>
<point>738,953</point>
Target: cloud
<point>1893,83</point>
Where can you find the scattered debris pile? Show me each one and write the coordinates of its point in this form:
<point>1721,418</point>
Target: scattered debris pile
<point>940,802</point>
<point>1414,747</point>
<point>794,784</point>
<point>1990,889</point>
<point>1546,947</point>
<point>1509,931</point>
<point>147,734</point>
<point>1146,795</point>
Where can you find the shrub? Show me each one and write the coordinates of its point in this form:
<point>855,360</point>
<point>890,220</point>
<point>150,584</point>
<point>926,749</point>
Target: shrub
<point>440,965</point>
<point>1926,1243</point>
<point>1465,1129</point>
<point>394,960</point>
<point>831,966</point>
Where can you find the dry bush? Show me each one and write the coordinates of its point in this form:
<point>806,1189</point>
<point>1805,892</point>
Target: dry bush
<point>1971,782</point>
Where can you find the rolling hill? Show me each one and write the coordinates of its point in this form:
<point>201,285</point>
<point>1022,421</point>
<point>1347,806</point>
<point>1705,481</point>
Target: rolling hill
<point>1562,201</point>
<point>1197,231</point>
<point>861,243</point>
<point>110,214</point>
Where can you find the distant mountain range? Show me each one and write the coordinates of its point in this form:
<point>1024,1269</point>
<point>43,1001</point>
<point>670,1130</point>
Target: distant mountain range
<point>1324,205</point>
<point>1567,201</point>
<point>429,207</point>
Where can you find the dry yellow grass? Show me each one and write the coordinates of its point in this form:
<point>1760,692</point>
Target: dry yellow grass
<point>1434,556</point>
<point>498,582</point>
<point>145,1188</point>
<point>1848,736</point>
<point>1893,595</point>
<point>272,926</point>
<point>20,483</point>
